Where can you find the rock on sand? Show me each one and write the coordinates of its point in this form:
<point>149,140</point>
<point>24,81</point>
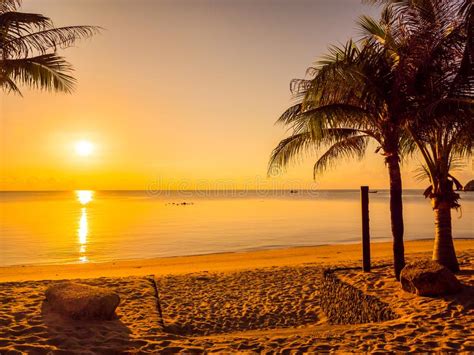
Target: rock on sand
<point>428,278</point>
<point>82,302</point>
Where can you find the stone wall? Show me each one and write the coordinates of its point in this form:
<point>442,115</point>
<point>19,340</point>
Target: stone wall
<point>345,304</point>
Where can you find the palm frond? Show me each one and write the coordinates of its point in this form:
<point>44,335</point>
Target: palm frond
<point>422,173</point>
<point>456,164</point>
<point>452,106</point>
<point>8,85</point>
<point>288,149</point>
<point>45,72</point>
<point>18,23</point>
<point>372,28</point>
<point>28,45</point>
<point>337,55</point>
<point>325,116</point>
<point>463,83</point>
<point>351,147</point>
<point>301,86</point>
<point>290,114</point>
<point>51,38</point>
<point>9,5</point>
<point>301,143</point>
<point>462,143</point>
<point>406,144</point>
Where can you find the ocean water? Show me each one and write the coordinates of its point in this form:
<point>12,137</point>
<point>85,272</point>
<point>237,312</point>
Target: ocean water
<point>96,226</point>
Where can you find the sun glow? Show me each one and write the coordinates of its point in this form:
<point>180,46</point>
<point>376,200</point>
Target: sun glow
<point>84,148</point>
<point>84,196</point>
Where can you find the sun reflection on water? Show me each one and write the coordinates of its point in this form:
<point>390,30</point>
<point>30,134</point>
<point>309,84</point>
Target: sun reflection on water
<point>84,197</point>
<point>83,228</point>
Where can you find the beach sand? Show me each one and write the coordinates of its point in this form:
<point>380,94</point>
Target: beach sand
<point>264,301</point>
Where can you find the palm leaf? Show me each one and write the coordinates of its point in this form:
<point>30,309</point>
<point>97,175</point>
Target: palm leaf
<point>372,28</point>
<point>288,149</point>
<point>422,173</point>
<point>9,85</point>
<point>324,116</point>
<point>351,147</point>
<point>290,114</point>
<point>20,22</point>
<point>451,107</point>
<point>46,72</point>
<point>9,5</point>
<point>49,39</point>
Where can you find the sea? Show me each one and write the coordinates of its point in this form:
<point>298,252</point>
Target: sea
<point>85,226</point>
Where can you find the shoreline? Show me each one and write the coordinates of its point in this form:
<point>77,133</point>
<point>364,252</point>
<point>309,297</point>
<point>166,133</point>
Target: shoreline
<point>242,251</point>
<point>332,254</point>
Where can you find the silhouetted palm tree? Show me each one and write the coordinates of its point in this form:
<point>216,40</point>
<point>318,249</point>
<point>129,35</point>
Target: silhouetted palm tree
<point>28,44</point>
<point>437,73</point>
<point>408,85</point>
<point>348,102</point>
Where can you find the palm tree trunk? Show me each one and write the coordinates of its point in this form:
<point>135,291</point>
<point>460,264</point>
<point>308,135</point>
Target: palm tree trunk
<point>396,214</point>
<point>443,251</point>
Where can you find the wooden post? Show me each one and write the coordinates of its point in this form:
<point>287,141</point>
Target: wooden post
<point>364,194</point>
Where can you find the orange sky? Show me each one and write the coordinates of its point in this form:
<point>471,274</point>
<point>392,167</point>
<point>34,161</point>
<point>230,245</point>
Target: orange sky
<point>178,94</point>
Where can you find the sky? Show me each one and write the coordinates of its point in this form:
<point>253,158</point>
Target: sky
<point>180,94</point>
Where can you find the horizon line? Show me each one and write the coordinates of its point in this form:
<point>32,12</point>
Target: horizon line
<point>187,190</point>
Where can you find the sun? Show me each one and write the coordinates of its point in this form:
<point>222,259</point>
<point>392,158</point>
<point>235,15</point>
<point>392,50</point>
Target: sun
<point>84,148</point>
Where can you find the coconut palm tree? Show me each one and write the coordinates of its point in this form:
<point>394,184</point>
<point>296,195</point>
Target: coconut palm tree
<point>347,102</point>
<point>28,50</point>
<point>438,74</point>
<point>396,89</point>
